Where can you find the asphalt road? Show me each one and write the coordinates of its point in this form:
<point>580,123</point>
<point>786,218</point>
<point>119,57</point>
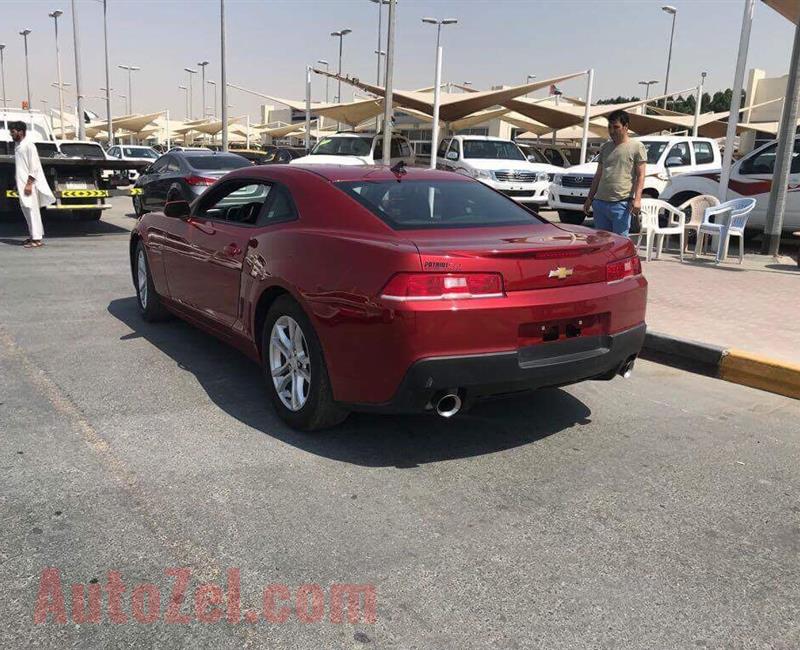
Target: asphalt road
<point>657,512</point>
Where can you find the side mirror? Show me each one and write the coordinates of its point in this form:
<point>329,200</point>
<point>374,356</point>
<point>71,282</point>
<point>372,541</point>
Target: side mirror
<point>452,155</point>
<point>177,209</point>
<point>673,162</point>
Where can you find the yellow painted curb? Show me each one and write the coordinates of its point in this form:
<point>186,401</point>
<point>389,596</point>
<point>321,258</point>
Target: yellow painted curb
<point>767,374</point>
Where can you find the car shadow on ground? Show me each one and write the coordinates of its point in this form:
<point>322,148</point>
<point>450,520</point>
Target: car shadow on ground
<point>235,384</point>
<point>13,229</point>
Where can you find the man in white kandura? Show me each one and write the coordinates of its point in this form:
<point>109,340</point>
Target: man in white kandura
<point>32,187</point>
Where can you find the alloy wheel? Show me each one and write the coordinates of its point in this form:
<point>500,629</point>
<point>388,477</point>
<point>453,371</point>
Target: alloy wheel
<point>289,363</point>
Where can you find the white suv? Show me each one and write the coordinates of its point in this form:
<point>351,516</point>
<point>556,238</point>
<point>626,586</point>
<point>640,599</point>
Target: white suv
<point>356,149</point>
<point>750,177</point>
<point>499,164</point>
<point>135,153</point>
<point>667,156</point>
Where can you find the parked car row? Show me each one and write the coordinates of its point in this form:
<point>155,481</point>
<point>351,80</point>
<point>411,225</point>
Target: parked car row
<point>682,167</point>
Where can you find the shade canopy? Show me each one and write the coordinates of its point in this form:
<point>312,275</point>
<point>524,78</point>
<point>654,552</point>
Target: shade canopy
<point>789,9</point>
<point>452,106</point>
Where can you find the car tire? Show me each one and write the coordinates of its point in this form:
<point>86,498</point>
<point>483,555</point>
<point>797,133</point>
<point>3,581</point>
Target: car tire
<point>137,206</point>
<point>572,217</point>
<point>311,406</point>
<point>148,301</point>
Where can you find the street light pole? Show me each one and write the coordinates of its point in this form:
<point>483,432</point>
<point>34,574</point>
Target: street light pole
<point>129,68</point>
<point>24,33</point>
<point>647,85</point>
<point>203,65</point>
<point>698,101</point>
<point>670,10</point>
<point>389,76</point>
<point>327,78</point>
<point>191,92</point>
<point>185,101</point>
<point>81,134</point>
<point>437,83</point>
<point>223,81</point>
<point>214,84</point>
<point>340,35</point>
<point>528,80</point>
<point>109,125</point>
<point>3,73</point>
<point>55,15</point>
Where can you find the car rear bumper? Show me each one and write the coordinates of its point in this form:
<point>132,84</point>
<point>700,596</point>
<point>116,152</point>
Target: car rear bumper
<point>480,376</point>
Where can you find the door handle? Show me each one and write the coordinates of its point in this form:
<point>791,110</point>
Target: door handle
<point>232,250</point>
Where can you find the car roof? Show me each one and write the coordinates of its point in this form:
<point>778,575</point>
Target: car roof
<point>196,153</point>
<point>335,173</point>
<point>482,137</point>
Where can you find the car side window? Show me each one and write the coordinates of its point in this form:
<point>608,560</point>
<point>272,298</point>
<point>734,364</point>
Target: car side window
<point>761,163</point>
<point>239,201</point>
<point>173,165</point>
<point>442,148</point>
<point>405,149</point>
<point>681,151</point>
<point>795,168</point>
<point>453,147</point>
<point>279,207</point>
<point>703,153</point>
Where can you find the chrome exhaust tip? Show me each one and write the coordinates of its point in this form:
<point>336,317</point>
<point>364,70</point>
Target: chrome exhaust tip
<point>448,405</point>
<point>627,369</point>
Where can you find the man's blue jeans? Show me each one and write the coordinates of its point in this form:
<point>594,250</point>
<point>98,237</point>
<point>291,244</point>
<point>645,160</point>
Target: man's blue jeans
<point>613,216</point>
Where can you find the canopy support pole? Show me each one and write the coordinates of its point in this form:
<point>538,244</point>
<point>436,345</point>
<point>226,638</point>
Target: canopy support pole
<point>783,161</point>
<point>586,115</point>
<point>736,98</point>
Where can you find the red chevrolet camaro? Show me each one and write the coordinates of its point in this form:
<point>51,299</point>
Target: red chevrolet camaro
<point>390,290</point>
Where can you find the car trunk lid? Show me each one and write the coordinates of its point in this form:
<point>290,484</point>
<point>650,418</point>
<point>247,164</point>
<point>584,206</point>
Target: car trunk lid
<point>529,257</point>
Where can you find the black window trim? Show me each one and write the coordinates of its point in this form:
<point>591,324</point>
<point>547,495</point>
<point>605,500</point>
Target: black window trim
<point>265,206</point>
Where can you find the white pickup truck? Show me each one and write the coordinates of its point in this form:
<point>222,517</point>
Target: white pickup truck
<point>499,164</point>
<point>668,157</point>
<point>750,177</point>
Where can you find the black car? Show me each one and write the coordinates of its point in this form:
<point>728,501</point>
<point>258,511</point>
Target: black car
<point>273,155</point>
<point>182,175</point>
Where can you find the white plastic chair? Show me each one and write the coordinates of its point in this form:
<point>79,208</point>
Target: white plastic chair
<point>656,233</point>
<point>739,210</point>
<point>696,206</point>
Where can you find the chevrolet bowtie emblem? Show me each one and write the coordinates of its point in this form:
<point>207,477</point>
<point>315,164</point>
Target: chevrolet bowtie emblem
<point>560,273</point>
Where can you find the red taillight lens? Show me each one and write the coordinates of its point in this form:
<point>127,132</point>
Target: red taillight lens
<point>443,286</point>
<point>200,180</point>
<point>626,268</point>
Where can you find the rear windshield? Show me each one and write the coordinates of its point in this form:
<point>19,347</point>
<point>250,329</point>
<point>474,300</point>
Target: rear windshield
<point>343,147</point>
<point>139,152</point>
<point>431,204</point>
<point>46,149</point>
<point>79,150</point>
<point>212,162</point>
<point>492,150</point>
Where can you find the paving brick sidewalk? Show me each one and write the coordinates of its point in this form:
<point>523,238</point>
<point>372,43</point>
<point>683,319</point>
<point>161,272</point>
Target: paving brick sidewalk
<point>754,307</point>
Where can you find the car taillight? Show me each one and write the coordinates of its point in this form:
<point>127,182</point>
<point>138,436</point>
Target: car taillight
<point>200,180</point>
<point>443,286</point>
<point>622,269</point>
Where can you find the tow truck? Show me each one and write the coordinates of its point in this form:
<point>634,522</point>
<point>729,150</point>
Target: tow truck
<point>76,182</point>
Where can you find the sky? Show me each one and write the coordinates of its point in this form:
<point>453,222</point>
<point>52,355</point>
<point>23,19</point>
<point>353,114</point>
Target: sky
<point>269,42</point>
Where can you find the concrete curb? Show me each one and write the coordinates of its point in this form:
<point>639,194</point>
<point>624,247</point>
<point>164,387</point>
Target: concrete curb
<point>731,364</point>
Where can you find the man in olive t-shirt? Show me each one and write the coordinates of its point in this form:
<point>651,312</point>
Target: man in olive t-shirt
<point>616,190</point>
